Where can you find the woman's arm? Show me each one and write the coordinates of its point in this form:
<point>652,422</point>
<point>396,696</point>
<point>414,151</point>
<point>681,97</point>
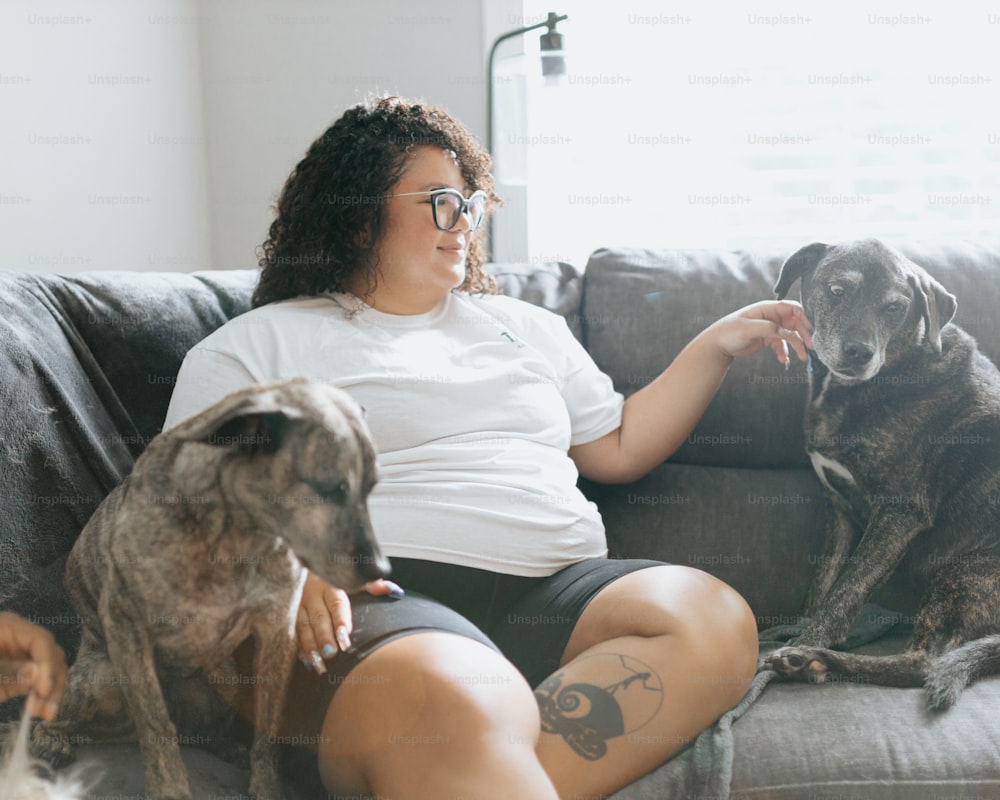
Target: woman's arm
<point>658,418</point>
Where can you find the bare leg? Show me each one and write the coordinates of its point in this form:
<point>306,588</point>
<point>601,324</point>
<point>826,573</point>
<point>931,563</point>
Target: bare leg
<point>655,658</point>
<point>434,715</point>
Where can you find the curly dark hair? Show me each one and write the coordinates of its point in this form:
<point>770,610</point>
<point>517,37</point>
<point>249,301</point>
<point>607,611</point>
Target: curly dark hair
<point>330,215</point>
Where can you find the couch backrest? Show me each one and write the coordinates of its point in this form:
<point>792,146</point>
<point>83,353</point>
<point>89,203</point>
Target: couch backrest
<point>640,307</point>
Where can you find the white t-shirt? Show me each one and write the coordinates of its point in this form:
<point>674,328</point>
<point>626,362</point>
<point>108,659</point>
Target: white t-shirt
<point>472,408</point>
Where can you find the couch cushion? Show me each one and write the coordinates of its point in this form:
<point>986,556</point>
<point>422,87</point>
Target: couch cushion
<point>139,326</point>
<point>759,530</point>
<point>641,307</point>
<point>887,745</point>
<point>554,285</point>
<point>971,271</point>
<point>686,514</point>
<point>845,740</point>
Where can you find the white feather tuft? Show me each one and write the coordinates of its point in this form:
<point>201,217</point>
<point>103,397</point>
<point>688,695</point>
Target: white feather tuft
<point>25,778</point>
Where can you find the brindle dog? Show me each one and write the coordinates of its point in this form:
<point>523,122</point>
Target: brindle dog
<point>204,545</point>
<point>903,429</point>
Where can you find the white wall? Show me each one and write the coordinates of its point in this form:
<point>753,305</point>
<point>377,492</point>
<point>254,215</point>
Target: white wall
<point>102,150</point>
<point>156,134</point>
<point>276,75</point>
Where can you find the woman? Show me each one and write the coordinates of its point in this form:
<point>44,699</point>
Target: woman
<point>483,410</point>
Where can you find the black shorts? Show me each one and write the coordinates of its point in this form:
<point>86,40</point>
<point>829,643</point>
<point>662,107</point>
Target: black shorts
<point>528,620</point>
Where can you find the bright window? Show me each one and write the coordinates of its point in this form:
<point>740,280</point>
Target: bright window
<point>716,126</point>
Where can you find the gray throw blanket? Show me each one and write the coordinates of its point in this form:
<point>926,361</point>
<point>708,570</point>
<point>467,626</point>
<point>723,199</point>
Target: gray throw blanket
<point>705,769</point>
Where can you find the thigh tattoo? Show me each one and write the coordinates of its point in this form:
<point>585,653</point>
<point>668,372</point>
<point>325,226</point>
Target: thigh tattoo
<point>609,695</point>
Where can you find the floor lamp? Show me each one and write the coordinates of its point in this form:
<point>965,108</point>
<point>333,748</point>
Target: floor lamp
<point>553,67</point>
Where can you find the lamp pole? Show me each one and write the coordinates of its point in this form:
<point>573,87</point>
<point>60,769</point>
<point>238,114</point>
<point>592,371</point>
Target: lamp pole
<point>551,41</point>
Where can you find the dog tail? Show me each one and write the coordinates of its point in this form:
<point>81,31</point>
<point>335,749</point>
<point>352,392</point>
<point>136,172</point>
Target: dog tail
<point>955,669</point>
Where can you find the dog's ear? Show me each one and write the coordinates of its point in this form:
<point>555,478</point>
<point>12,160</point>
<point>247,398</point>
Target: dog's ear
<point>254,432</point>
<point>937,304</point>
<point>799,264</point>
<point>249,424</point>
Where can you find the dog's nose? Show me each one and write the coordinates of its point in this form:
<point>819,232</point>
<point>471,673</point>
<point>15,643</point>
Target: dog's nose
<point>374,567</point>
<point>858,353</point>
<point>369,561</point>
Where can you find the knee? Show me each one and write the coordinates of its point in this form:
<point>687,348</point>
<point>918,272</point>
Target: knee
<point>719,607</point>
<point>705,618</point>
<point>722,630</point>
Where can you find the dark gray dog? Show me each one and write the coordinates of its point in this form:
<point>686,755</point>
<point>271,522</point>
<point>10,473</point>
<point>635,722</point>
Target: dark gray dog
<point>203,546</point>
<point>903,428</point>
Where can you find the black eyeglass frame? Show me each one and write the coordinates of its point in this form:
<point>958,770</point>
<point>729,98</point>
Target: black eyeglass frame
<point>464,207</point>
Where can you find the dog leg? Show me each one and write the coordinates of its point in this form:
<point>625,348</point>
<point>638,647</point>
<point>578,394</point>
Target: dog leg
<point>885,540</point>
<point>954,611</point>
<point>820,665</point>
<point>273,664</point>
<point>92,709</point>
<point>841,537</point>
<point>131,654</point>
<point>960,616</point>
<point>204,707</point>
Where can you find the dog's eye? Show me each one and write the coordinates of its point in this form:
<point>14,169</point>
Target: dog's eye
<point>836,290</point>
<point>332,493</point>
<point>339,493</point>
<point>894,308</point>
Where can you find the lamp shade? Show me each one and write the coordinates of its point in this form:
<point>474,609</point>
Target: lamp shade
<point>553,56</point>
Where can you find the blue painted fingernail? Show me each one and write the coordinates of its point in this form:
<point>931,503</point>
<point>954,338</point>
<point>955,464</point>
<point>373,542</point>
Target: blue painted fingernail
<point>307,664</point>
<point>329,651</point>
<point>395,590</point>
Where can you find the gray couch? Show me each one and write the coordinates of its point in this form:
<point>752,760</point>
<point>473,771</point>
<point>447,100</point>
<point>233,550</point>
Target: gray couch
<point>86,368</point>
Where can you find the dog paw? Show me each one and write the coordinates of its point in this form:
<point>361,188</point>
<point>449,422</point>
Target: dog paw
<point>232,752</point>
<point>799,663</point>
<point>51,746</point>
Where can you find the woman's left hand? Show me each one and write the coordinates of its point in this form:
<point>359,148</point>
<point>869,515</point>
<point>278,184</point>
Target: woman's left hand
<point>769,323</point>
<point>32,664</point>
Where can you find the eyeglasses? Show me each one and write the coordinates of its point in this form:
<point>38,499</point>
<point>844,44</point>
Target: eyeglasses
<point>449,204</point>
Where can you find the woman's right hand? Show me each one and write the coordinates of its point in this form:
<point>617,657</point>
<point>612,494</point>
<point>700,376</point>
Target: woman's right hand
<point>323,625</point>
